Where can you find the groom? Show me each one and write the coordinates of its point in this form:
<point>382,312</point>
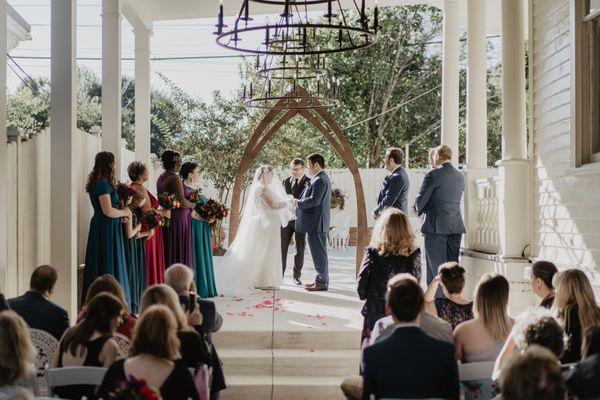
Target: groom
<point>313,218</point>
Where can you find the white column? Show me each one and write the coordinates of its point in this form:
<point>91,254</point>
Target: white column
<point>450,77</point>
<point>476,85</point>
<point>63,124</point>
<point>514,138</point>
<point>142,94</point>
<point>514,171</point>
<point>111,79</point>
<point>3,157</point>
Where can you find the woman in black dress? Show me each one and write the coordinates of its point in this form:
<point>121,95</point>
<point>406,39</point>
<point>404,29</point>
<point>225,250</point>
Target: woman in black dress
<point>154,349</point>
<point>193,349</point>
<point>454,308</point>
<point>576,308</point>
<point>392,251</point>
<point>90,343</point>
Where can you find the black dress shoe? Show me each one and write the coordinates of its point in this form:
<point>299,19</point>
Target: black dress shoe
<point>297,281</point>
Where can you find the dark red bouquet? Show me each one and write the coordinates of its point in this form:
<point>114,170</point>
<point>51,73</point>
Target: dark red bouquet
<point>125,192</point>
<point>134,389</point>
<point>211,211</point>
<point>150,219</point>
<point>168,201</point>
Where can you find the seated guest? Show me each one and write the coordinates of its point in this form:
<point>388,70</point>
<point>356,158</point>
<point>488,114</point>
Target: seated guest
<point>108,284</point>
<point>482,338</point>
<point>576,308</point>
<point>409,364</point>
<point>582,380</point>
<point>453,308</point>
<point>542,273</point>
<point>90,343</point>
<point>533,375</point>
<point>35,306</point>
<point>181,279</point>
<point>536,326</point>
<point>3,303</point>
<point>154,351</point>
<point>193,350</point>
<point>17,356</point>
<point>392,250</point>
<point>435,327</point>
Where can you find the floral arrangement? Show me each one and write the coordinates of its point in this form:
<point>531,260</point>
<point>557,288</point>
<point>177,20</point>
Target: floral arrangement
<point>125,192</point>
<point>212,211</point>
<point>150,219</point>
<point>134,389</point>
<point>195,195</point>
<point>168,201</point>
<point>338,198</point>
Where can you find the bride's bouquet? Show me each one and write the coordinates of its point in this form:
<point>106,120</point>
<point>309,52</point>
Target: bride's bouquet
<point>211,211</point>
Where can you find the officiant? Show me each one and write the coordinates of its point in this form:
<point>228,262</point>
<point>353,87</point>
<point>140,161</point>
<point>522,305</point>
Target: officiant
<point>294,185</point>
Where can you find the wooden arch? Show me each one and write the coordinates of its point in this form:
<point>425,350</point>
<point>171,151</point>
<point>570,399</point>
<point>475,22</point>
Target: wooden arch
<point>268,126</point>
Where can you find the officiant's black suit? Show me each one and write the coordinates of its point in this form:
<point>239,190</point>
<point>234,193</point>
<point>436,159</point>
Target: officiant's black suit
<point>295,188</point>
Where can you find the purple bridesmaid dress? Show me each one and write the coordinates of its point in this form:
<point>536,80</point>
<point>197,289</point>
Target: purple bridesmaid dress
<point>178,235</point>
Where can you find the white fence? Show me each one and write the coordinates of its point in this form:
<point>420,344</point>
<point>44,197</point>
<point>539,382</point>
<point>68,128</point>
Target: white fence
<point>29,193</point>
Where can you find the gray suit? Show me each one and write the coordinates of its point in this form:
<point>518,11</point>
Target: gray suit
<point>313,216</point>
<point>438,203</point>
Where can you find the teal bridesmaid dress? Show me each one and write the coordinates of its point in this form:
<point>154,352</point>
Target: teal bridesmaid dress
<point>135,254</point>
<point>105,252</point>
<point>204,274</point>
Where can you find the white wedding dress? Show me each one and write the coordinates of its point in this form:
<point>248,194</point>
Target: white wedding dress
<point>253,260</point>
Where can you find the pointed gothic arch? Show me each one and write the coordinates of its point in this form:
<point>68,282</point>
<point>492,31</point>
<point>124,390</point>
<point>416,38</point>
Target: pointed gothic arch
<point>275,118</point>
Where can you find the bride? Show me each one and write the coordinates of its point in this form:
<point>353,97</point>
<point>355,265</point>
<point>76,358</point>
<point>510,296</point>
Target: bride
<point>253,260</point>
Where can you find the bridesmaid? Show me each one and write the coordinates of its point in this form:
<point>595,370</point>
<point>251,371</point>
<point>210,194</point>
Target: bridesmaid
<point>178,235</point>
<point>105,253</point>
<point>135,249</point>
<point>201,239</point>
<point>155,251</point>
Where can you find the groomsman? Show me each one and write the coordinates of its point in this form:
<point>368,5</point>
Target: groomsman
<point>394,190</point>
<point>294,185</point>
<point>438,203</point>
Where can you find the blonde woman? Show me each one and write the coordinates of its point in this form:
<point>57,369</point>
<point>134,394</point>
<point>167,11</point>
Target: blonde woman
<point>17,356</point>
<point>392,251</point>
<point>194,350</point>
<point>482,338</point>
<point>155,350</point>
<point>576,308</point>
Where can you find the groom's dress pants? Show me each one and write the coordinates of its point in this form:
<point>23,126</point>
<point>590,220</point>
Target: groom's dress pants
<point>317,241</point>
<point>286,239</point>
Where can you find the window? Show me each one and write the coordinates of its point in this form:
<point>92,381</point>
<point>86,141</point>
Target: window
<point>586,68</point>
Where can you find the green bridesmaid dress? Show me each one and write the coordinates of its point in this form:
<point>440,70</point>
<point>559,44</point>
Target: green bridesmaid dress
<point>204,274</point>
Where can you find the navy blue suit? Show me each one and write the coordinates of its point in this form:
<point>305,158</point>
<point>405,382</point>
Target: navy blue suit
<point>438,203</point>
<point>410,365</point>
<point>40,313</point>
<point>393,192</point>
<point>313,216</point>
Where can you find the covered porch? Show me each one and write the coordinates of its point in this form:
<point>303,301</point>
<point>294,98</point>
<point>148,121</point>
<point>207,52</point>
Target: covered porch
<point>496,202</point>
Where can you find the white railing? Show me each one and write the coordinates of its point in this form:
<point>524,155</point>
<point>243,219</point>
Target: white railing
<point>487,236</point>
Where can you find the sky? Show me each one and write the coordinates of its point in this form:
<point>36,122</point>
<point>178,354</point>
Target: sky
<point>184,38</point>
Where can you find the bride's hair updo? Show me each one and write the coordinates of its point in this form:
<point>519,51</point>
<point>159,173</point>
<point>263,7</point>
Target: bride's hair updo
<point>261,171</point>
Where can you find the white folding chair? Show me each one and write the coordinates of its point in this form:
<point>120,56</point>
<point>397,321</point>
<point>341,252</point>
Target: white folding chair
<point>124,344</point>
<point>66,376</point>
<point>45,345</point>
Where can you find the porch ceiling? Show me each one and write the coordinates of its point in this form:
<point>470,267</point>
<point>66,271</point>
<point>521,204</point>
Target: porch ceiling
<point>161,10</point>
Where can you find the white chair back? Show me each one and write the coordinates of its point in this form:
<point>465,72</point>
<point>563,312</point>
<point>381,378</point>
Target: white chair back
<point>45,345</point>
<point>124,344</point>
<point>476,371</point>
<point>66,376</point>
